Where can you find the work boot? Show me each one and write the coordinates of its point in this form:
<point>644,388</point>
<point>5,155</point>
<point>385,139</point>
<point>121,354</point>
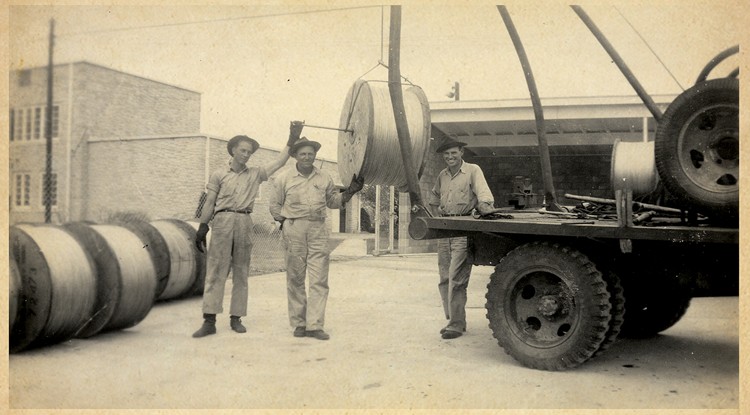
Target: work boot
<point>318,334</point>
<point>236,324</point>
<point>300,331</point>
<point>208,327</point>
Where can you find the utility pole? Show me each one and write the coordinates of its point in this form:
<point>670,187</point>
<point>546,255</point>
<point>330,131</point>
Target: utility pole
<point>48,129</point>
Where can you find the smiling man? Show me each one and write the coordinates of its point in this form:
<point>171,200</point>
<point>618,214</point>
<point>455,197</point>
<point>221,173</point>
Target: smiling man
<point>460,188</point>
<point>231,192</point>
<point>299,204</point>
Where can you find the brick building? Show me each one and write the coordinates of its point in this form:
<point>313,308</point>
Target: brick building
<point>121,144</point>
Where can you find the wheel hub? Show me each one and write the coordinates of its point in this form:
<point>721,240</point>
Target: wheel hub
<point>549,306</point>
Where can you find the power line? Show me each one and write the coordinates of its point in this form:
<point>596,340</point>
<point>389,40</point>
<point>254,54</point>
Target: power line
<point>262,16</point>
<point>649,48</point>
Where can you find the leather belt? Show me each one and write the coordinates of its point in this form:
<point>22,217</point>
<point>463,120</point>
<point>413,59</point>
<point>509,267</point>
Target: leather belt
<point>242,211</point>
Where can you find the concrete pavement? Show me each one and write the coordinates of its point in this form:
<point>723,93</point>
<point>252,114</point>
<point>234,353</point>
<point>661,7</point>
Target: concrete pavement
<point>384,314</point>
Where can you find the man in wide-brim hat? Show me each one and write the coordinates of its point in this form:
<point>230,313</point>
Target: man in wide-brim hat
<point>459,189</point>
<point>231,192</point>
<point>302,193</point>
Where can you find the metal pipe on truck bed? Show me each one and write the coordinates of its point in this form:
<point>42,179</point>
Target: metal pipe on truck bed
<point>636,205</point>
<point>549,188</point>
<point>645,97</point>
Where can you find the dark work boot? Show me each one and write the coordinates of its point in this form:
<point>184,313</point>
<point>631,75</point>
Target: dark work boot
<point>208,327</point>
<point>236,324</point>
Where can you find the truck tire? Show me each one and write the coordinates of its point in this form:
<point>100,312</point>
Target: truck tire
<point>697,149</point>
<point>617,300</point>
<point>548,306</point>
<point>655,304</point>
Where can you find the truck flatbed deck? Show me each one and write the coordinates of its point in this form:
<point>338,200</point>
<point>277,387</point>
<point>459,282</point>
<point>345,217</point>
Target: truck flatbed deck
<point>535,223</point>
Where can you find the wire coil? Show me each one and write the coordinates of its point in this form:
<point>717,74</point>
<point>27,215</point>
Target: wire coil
<point>182,262</point>
<point>372,149</point>
<point>156,246</point>
<point>14,292</point>
<point>136,275</point>
<point>58,290</point>
<point>634,166</point>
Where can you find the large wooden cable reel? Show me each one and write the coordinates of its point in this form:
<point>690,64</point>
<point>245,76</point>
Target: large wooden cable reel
<point>369,145</point>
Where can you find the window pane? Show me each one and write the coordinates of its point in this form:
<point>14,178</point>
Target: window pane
<point>55,120</point>
<point>28,123</point>
<point>19,126</point>
<point>37,122</point>
<point>18,190</point>
<point>26,189</point>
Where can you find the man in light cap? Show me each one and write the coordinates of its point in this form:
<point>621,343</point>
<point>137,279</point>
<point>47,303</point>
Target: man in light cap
<point>231,193</point>
<point>299,203</point>
<point>460,188</point>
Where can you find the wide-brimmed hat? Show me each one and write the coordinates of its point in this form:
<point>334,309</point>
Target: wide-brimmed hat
<point>239,138</point>
<point>449,144</point>
<point>303,142</point>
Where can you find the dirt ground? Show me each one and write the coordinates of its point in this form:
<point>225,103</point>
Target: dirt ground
<point>385,353</point>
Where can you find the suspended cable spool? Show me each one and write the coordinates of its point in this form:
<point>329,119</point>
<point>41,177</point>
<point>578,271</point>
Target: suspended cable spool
<point>14,292</point>
<point>156,246</point>
<point>58,289</point>
<point>634,166</point>
<point>126,277</point>
<point>182,262</point>
<point>371,149</point>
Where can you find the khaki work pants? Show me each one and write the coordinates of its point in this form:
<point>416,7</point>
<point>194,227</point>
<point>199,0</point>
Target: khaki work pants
<point>307,254</point>
<point>455,258</point>
<point>231,246</point>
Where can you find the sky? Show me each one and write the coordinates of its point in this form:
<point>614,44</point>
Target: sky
<point>259,66</point>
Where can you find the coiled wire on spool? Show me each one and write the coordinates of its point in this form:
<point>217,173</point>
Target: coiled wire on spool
<point>14,292</point>
<point>182,262</point>
<point>122,254</point>
<point>200,257</point>
<point>370,148</point>
<point>156,247</point>
<point>58,289</point>
<point>634,166</point>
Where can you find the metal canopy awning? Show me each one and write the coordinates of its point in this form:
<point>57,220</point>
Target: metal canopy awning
<point>487,126</point>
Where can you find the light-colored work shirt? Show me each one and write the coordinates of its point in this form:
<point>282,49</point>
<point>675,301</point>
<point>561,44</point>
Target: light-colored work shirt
<point>460,193</point>
<point>236,190</point>
<point>296,196</point>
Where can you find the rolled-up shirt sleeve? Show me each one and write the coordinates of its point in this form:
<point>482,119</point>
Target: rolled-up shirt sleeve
<point>276,199</point>
<point>482,190</point>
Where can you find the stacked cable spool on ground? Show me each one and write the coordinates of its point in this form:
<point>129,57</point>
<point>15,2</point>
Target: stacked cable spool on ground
<point>372,150</point>
<point>156,247</point>
<point>58,286</point>
<point>187,269</point>
<point>14,293</point>
<point>126,277</point>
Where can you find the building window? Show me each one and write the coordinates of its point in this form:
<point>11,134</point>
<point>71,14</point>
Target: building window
<point>12,126</point>
<point>37,123</point>
<point>23,190</point>
<point>19,125</point>
<point>52,189</point>
<point>55,119</point>
<point>28,123</point>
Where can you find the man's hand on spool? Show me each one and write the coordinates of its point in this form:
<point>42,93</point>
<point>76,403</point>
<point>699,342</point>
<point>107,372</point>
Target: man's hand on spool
<point>295,129</point>
<point>356,184</point>
<point>200,237</point>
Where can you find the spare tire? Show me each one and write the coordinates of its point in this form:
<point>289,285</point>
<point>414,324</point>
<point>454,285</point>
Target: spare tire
<point>697,149</point>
